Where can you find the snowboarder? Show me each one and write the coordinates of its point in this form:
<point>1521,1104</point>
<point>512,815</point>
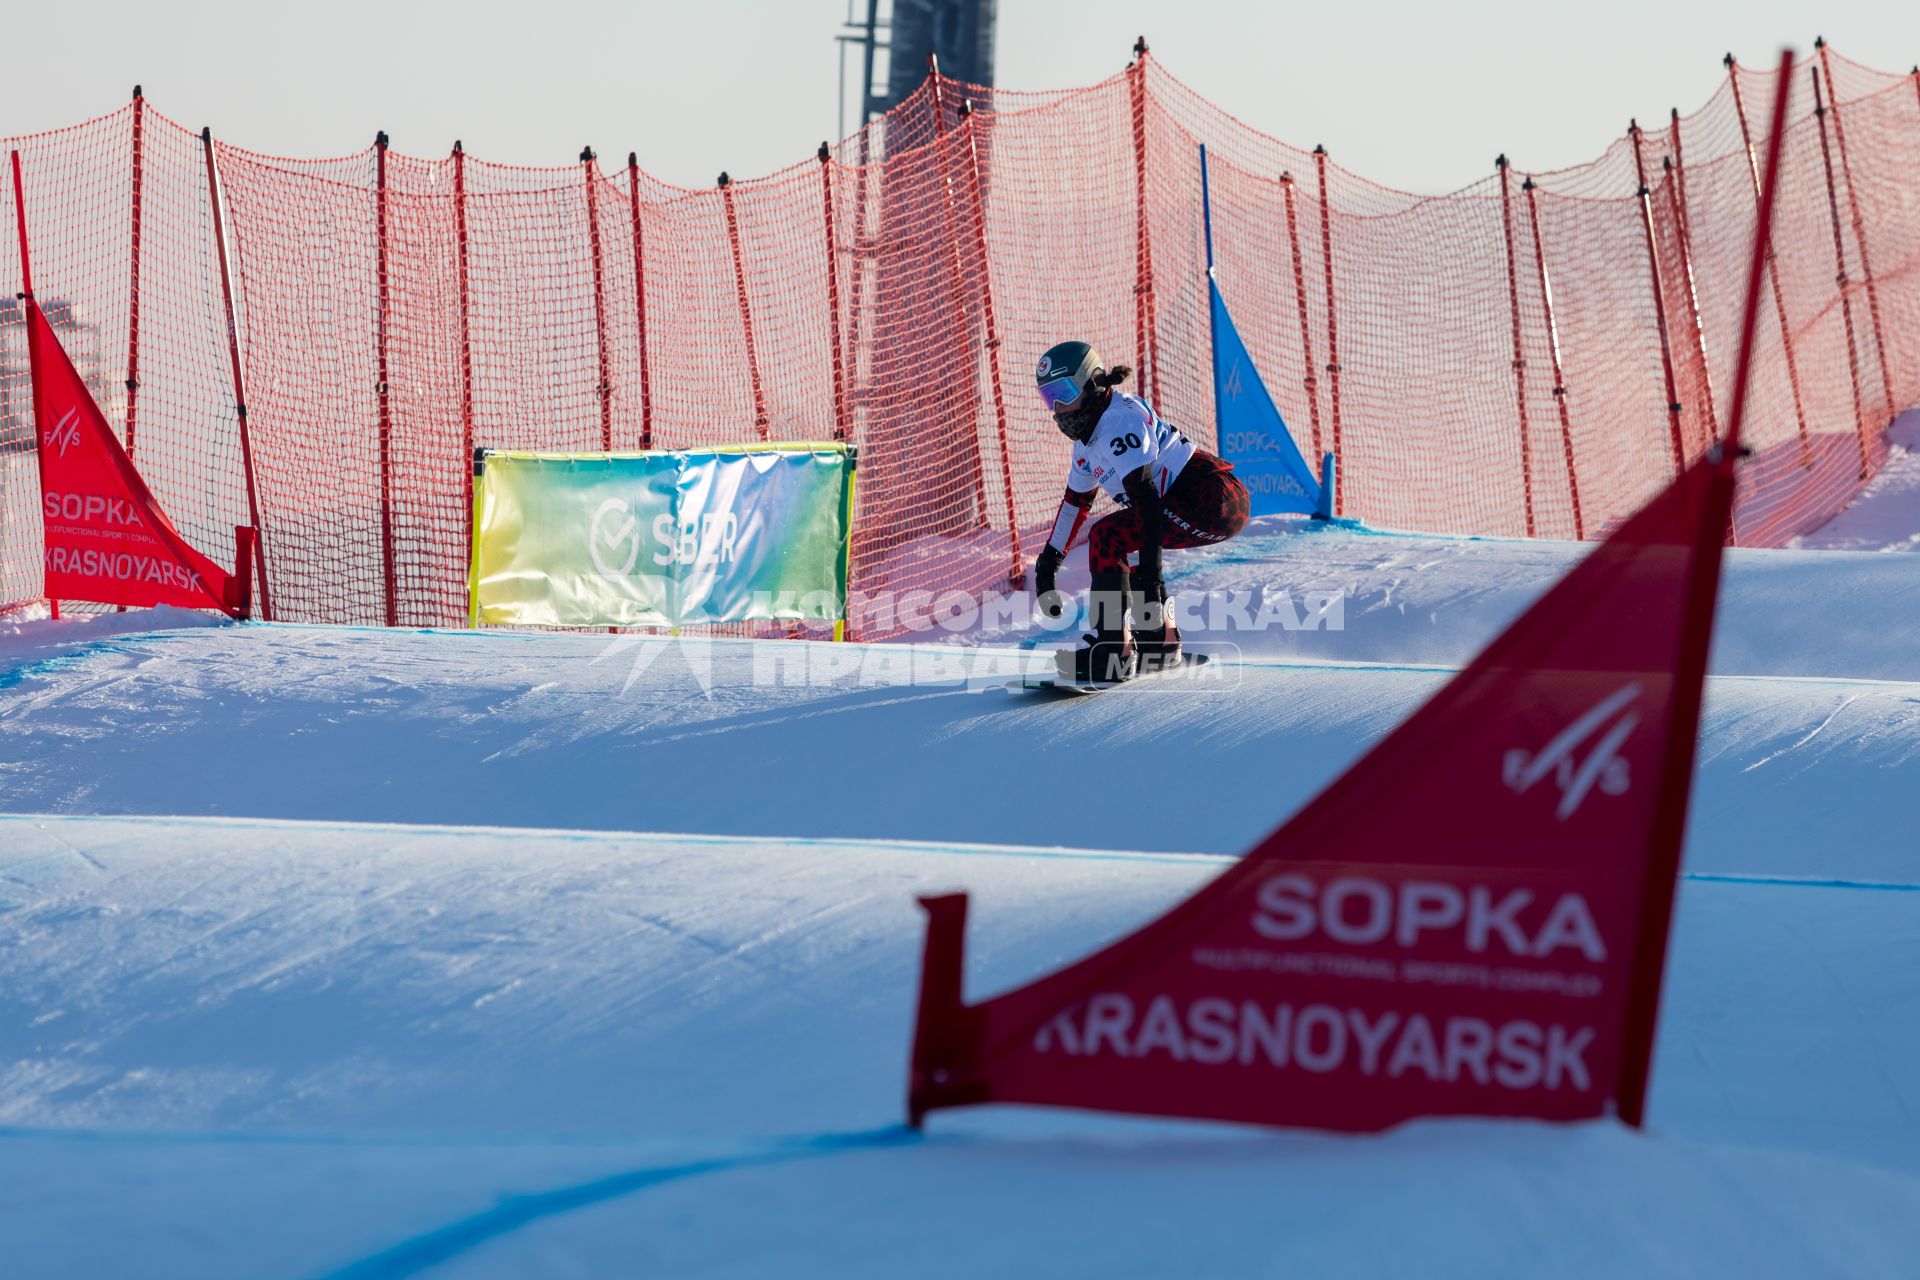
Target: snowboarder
<point>1171,494</point>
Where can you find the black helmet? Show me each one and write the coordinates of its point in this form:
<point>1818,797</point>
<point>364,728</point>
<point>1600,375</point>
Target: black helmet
<point>1065,373</point>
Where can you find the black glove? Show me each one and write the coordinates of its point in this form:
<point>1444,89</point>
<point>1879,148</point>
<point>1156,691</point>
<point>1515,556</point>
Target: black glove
<point>1050,602</point>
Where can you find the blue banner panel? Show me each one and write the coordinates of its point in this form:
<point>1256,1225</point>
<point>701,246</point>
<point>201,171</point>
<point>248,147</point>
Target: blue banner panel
<point>1253,436</point>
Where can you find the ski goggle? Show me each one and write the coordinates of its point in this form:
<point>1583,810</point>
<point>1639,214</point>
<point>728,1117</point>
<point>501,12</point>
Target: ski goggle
<point>1059,394</point>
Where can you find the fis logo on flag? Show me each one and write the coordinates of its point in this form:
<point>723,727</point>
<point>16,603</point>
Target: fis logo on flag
<point>66,432</point>
<point>1603,767</point>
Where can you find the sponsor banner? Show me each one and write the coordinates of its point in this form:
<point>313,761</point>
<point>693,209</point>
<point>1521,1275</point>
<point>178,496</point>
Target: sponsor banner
<point>1253,436</point>
<point>663,539</point>
<point>106,539</point>
<point>1470,921</point>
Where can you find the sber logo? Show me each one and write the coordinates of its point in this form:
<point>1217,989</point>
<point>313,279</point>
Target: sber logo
<point>1613,719</point>
<point>614,537</point>
<point>707,539</point>
<point>614,532</point>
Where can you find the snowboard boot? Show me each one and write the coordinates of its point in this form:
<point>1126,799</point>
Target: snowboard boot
<point>1156,640</point>
<point>1107,656</point>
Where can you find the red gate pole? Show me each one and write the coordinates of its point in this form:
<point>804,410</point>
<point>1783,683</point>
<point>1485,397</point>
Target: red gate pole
<point>239,386</point>
<point>1773,269</point>
<point>956,268</point>
<point>1553,348</point>
<point>604,389</point>
<point>466,327</point>
<point>1682,211</point>
<point>133,306</point>
<point>834,332</point>
<point>1676,165</point>
<point>1519,350</point>
<point>1840,278</point>
<point>1859,231</point>
<point>1311,383</point>
<point>1333,332</point>
<point>969,135</point>
<point>133,288</point>
<point>380,383</point>
<point>33,348</point>
<point>760,422</point>
<point>1679,167</point>
<point>1145,320</point>
<point>26,267</point>
<point>1645,196</point>
<point>640,298</point>
<point>865,267</point>
<point>1675,185</point>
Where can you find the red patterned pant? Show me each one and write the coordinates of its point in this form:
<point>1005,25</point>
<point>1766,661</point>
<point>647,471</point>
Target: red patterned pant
<point>1206,504</point>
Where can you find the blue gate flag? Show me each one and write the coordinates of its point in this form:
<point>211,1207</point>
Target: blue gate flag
<point>1253,435</point>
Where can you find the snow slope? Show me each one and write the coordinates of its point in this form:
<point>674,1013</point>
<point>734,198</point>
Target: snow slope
<point>298,1029</point>
<point>525,730</point>
<point>1885,514</point>
<point>421,1021</point>
<point>1413,598</point>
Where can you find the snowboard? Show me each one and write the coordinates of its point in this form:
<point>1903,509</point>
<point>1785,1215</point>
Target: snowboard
<point>1054,684</point>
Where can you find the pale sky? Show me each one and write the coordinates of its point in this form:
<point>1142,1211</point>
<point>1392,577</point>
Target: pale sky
<point>1417,95</point>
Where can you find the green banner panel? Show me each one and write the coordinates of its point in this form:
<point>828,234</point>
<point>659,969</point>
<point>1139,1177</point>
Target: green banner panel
<point>662,539</point>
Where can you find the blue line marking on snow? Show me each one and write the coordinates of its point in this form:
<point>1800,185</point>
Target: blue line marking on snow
<point>78,653</point>
<point>1798,882</point>
<point>11,676</point>
<point>430,1248</point>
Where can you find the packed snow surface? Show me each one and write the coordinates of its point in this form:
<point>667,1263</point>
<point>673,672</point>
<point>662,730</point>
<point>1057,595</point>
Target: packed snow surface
<point>336,951</point>
<point>286,1048</point>
<point>1885,515</point>
<point>925,741</point>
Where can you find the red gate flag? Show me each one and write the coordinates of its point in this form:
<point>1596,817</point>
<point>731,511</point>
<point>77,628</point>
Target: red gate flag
<point>106,538</point>
<point>1471,921</point>
<point>1461,924</point>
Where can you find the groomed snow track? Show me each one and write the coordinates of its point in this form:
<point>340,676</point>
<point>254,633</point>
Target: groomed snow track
<point>397,989</point>
<point>298,1048</point>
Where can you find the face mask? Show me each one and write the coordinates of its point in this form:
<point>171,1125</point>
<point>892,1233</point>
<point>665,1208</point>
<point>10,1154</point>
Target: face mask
<point>1077,423</point>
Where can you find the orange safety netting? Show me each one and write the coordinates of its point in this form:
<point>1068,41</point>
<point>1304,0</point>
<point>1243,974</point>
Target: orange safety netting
<point>1533,355</point>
